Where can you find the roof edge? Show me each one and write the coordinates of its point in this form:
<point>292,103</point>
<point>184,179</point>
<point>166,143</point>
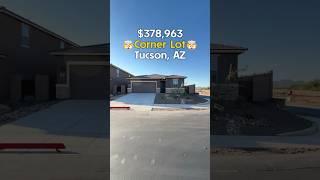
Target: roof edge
<point>35,25</point>
<point>121,69</point>
<point>182,77</point>
<point>226,49</point>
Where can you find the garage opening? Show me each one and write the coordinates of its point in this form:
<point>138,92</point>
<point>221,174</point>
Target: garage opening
<point>88,81</point>
<point>144,87</point>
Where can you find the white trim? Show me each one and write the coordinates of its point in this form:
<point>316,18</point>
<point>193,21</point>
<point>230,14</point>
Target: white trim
<point>143,81</point>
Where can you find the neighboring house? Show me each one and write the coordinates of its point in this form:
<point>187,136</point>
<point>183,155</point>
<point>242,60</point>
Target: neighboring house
<point>83,74</point>
<point>119,80</point>
<point>156,83</point>
<point>225,80</point>
<point>27,69</point>
<point>224,59</point>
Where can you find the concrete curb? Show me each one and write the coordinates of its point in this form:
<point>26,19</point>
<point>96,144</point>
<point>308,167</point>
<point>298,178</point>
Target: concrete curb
<point>281,150</point>
<point>204,103</point>
<point>178,109</point>
<point>308,131</point>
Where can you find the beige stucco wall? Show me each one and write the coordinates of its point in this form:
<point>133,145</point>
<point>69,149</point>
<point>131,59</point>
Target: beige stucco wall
<point>175,90</point>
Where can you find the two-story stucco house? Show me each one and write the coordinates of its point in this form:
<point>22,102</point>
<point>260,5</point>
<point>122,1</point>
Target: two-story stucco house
<point>26,67</point>
<point>119,80</point>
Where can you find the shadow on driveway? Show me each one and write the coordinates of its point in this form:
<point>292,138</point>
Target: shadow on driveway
<point>80,118</point>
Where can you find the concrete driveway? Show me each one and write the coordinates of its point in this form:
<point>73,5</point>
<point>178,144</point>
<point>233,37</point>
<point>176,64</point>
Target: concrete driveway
<point>81,125</point>
<point>141,101</point>
<point>160,145</point>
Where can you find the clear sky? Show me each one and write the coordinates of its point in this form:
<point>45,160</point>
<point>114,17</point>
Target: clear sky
<point>82,21</point>
<point>281,35</point>
<point>127,16</point>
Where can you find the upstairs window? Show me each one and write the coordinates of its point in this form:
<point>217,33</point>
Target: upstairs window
<point>25,35</point>
<point>118,73</point>
<point>61,45</point>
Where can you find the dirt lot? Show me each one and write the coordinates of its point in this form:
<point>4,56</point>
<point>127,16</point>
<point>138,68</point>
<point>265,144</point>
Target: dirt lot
<point>299,97</point>
<point>178,99</point>
<point>203,91</point>
<point>244,118</point>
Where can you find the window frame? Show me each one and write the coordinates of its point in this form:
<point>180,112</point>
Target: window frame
<point>175,83</point>
<point>118,73</point>
<point>25,35</point>
<point>62,45</point>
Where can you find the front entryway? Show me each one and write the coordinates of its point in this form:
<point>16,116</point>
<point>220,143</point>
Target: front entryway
<point>162,86</point>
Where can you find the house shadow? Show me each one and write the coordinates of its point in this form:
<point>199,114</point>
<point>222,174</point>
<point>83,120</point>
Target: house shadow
<point>77,118</point>
<point>304,111</point>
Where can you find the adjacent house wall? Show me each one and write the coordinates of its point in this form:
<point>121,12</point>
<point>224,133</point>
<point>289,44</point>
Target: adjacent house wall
<point>221,66</point>
<point>27,62</point>
<point>257,87</point>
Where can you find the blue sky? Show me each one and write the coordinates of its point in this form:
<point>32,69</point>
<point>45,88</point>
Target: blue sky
<point>281,35</point>
<point>80,21</point>
<point>193,17</point>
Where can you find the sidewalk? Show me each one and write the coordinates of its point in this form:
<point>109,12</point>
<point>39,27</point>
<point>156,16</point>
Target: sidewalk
<point>311,141</point>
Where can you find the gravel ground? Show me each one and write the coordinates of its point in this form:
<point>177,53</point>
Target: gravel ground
<point>257,120</point>
<point>23,111</point>
<point>4,109</point>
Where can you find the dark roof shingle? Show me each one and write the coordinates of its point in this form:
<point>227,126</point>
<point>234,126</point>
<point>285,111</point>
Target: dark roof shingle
<point>221,48</point>
<point>158,76</point>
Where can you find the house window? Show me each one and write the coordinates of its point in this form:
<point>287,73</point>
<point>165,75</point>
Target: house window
<point>118,73</point>
<point>61,45</point>
<point>175,83</point>
<point>25,35</point>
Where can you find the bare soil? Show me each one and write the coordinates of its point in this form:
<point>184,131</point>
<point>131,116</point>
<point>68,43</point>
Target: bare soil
<point>203,92</point>
<point>299,97</point>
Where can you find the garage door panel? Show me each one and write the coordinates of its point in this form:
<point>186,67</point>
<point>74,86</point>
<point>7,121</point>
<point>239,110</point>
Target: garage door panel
<point>88,82</point>
<point>143,87</point>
